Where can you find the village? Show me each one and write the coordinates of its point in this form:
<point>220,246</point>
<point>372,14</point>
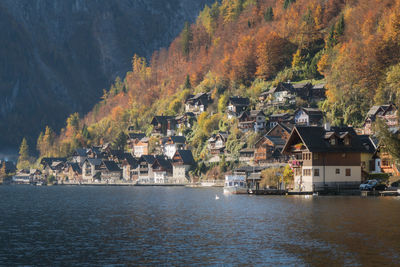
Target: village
<point>321,157</point>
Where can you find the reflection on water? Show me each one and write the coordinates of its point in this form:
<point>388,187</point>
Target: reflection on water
<point>181,226</point>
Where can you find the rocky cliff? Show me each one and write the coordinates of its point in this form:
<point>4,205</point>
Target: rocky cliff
<point>56,56</point>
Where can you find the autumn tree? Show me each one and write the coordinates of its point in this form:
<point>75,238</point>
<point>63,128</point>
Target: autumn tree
<point>23,159</point>
<point>186,39</point>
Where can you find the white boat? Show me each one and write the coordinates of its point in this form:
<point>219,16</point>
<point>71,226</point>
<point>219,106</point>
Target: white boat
<point>235,184</point>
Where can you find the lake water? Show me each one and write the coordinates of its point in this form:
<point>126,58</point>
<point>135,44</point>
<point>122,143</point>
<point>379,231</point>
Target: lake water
<point>69,226</point>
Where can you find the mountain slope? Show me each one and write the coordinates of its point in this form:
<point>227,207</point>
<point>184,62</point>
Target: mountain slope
<point>58,55</point>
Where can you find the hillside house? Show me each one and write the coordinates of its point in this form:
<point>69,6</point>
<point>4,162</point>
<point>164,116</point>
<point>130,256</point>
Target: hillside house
<point>268,148</point>
<point>198,103</point>
<point>134,138</point>
<point>216,143</point>
<point>387,113</point>
<point>318,92</point>
<point>274,119</point>
<point>130,169</point>
<point>182,161</point>
<point>308,116</point>
<point>171,144</point>
<point>79,155</point>
<point>236,105</point>
<point>283,93</point>
<point>164,125</point>
<point>246,155</point>
<point>324,158</point>
<point>281,130</point>
<point>252,121</point>
<point>185,121</point>
<point>303,90</point>
<point>141,147</point>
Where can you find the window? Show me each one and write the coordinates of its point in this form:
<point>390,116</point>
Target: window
<point>337,171</point>
<point>344,155</point>
<point>347,141</point>
<point>316,172</point>
<point>307,172</point>
<point>315,155</point>
<point>348,172</point>
<point>333,141</point>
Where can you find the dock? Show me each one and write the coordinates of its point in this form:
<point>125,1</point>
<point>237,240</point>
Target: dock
<point>267,192</point>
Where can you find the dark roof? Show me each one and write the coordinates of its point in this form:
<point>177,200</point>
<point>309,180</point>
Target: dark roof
<point>187,156</point>
<point>178,139</point>
<point>254,113</point>
<point>301,85</point>
<point>312,111</point>
<point>148,158</point>
<point>75,167</point>
<point>163,162</point>
<point>282,87</point>
<point>162,119</point>
<point>95,162</point>
<point>136,135</point>
<point>368,143</point>
<point>131,160</point>
<point>49,161</point>
<point>119,154</point>
<point>80,152</point>
<point>111,166</point>
<point>286,126</point>
<point>239,101</point>
<point>315,139</point>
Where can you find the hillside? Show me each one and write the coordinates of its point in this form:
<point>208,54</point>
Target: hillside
<point>242,48</point>
<point>57,56</point>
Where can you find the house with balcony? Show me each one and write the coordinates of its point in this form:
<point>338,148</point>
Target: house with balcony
<point>185,121</point>
<point>268,148</point>
<point>216,143</point>
<point>236,105</point>
<point>110,172</point>
<point>198,103</point>
<point>325,158</point>
<point>253,120</point>
<point>281,130</point>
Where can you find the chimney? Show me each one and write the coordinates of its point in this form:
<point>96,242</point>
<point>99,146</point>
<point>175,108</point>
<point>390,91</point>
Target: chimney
<point>327,126</point>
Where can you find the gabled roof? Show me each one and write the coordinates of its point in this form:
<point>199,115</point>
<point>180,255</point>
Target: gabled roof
<point>95,162</point>
<point>255,113</point>
<point>282,87</point>
<point>187,156</point>
<point>319,86</point>
<point>285,126</point>
<point>162,119</point>
<point>368,143</point>
<point>178,139</point>
<point>311,111</point>
<point>136,135</point>
<point>75,167</point>
<point>316,139</point>
<point>111,166</point>
<point>279,115</point>
<point>163,162</point>
<point>147,158</point>
<point>130,160</point>
<point>81,152</point>
<point>299,86</point>
<point>277,141</point>
<point>239,101</point>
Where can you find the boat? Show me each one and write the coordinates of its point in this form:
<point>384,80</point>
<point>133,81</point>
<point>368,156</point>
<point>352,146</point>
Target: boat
<point>235,184</point>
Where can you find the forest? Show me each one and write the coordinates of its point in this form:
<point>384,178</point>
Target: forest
<point>243,47</point>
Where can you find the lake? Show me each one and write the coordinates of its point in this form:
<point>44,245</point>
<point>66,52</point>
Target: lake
<point>72,225</point>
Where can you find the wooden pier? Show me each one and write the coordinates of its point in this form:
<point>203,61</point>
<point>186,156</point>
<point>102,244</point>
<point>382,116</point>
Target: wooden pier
<point>267,192</point>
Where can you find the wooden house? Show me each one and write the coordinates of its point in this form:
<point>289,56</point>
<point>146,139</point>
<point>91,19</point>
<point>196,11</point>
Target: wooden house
<point>216,143</point>
<point>324,158</point>
<point>171,144</point>
<point>253,120</point>
<point>145,170</point>
<point>182,161</point>
<point>281,130</point>
<point>274,119</point>
<point>318,92</point>
<point>164,125</point>
<point>198,103</point>
<point>387,113</point>
<point>185,121</point>
<point>236,105</point>
<point>130,169</point>
<point>268,148</point>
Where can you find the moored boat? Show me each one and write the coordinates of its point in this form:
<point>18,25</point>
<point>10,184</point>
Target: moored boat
<point>235,184</point>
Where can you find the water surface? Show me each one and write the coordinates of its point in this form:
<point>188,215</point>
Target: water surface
<point>70,225</point>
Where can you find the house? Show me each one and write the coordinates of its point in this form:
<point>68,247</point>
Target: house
<point>268,148</point>
<point>216,143</point>
<point>198,103</point>
<point>91,170</point>
<point>185,121</point>
<point>383,161</point>
<point>79,155</point>
<point>303,90</point>
<point>163,125</point>
<point>22,177</point>
<point>53,166</point>
<point>274,119</point>
<point>368,161</point>
<point>308,116</point>
<point>252,121</point>
<point>182,161</point>
<point>281,130</point>
<point>72,172</point>
<point>130,169</point>
<point>141,147</point>
<point>318,92</point>
<point>324,157</point>
<point>95,152</point>
<point>145,170</point>
<point>134,138</point>
<point>110,172</point>
<point>387,113</point>
<point>171,144</point>
<point>162,170</point>
<point>281,94</point>
<point>246,155</point>
<point>236,105</point>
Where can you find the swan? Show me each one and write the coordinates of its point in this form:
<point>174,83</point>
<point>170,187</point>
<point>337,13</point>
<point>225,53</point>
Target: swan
<point>216,197</point>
